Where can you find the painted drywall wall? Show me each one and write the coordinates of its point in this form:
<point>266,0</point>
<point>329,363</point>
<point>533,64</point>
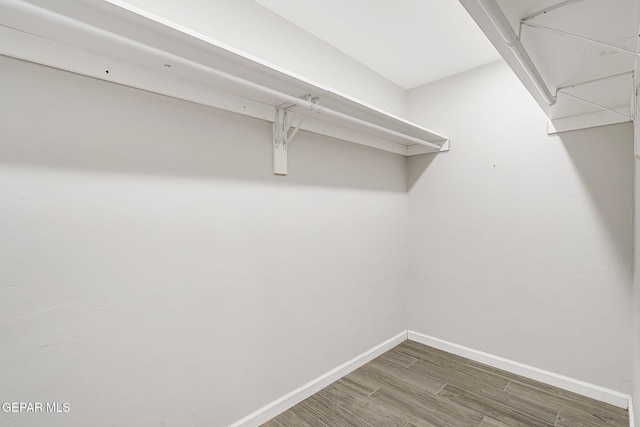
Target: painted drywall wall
<point>256,30</point>
<point>635,331</point>
<point>521,243</point>
<point>155,272</point>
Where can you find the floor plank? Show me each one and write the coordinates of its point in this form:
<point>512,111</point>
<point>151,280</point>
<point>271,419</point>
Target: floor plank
<point>574,414</point>
<point>517,403</point>
<point>571,417</point>
<point>458,378</point>
<point>373,373</point>
<point>417,396</point>
<point>572,405</point>
<point>398,358</point>
<point>292,418</point>
<point>506,374</point>
<point>331,414</point>
<point>361,407</point>
<point>359,384</point>
<point>430,354</point>
<point>496,410</point>
<point>430,412</point>
<point>452,363</point>
<point>490,422</point>
<point>407,375</point>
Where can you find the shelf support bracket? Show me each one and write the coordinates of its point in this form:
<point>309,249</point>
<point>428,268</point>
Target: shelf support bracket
<point>285,128</point>
<point>595,104</point>
<point>579,37</point>
<point>550,9</point>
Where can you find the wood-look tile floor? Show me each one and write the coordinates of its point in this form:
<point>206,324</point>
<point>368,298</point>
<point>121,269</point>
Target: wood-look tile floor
<point>413,385</point>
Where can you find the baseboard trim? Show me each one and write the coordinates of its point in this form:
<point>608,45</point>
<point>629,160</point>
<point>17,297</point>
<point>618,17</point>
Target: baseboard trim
<point>632,420</point>
<point>280,405</point>
<point>577,386</point>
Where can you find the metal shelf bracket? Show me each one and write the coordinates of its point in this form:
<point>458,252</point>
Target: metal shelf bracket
<point>550,9</point>
<point>563,90</point>
<point>580,37</point>
<point>285,127</point>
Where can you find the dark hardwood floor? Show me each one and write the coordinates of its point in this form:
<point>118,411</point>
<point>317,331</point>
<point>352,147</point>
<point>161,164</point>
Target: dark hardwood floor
<point>419,386</point>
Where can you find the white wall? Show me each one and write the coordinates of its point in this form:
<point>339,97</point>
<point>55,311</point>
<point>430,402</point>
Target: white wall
<point>154,271</point>
<point>254,29</point>
<point>521,243</point>
<point>635,331</point>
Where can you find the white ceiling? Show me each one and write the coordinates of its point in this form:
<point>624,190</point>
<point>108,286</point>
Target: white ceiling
<point>410,42</point>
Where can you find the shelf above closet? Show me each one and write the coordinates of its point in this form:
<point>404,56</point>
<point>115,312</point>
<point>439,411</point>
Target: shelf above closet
<point>116,42</point>
<point>578,59</point>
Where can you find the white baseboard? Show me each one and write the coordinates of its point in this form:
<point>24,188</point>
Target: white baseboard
<point>278,406</point>
<point>632,420</point>
<point>581,387</point>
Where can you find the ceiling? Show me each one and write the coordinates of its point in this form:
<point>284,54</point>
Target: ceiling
<point>410,42</point>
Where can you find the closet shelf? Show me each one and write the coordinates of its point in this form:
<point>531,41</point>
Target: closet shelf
<point>582,75</point>
<point>119,43</point>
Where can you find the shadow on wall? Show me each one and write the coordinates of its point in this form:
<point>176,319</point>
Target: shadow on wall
<point>419,165</point>
<point>56,119</point>
<point>605,166</point>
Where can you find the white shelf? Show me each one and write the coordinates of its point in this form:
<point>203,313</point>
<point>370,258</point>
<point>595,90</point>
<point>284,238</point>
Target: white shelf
<point>116,42</point>
<point>588,68</point>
